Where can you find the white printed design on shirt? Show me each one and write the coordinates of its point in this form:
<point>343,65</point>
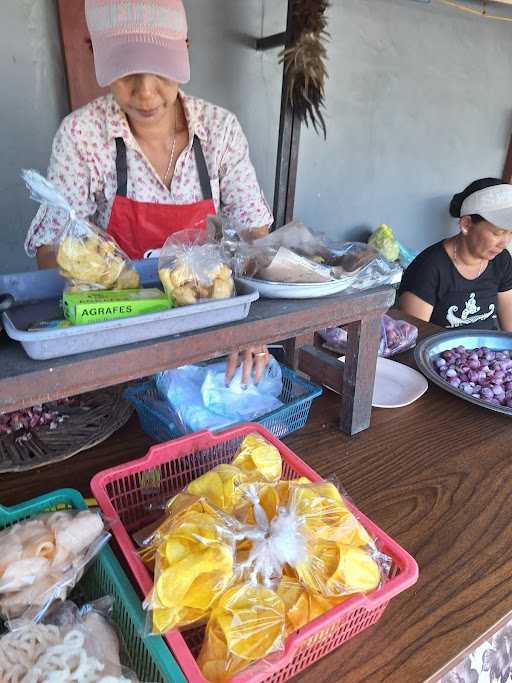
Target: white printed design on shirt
<point>467,317</point>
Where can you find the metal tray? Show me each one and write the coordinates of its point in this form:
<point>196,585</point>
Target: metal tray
<point>429,348</point>
<point>37,298</point>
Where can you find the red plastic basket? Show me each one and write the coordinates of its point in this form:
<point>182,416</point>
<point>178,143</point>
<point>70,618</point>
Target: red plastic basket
<point>133,495</point>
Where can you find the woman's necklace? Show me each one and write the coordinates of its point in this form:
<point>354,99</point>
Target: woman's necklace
<point>455,258</point>
<point>173,148</point>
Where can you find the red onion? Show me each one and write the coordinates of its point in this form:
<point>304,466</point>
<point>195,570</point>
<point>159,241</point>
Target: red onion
<point>481,373</point>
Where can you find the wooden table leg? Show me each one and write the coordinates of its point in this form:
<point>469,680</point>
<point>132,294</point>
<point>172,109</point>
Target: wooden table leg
<point>292,348</point>
<point>359,374</point>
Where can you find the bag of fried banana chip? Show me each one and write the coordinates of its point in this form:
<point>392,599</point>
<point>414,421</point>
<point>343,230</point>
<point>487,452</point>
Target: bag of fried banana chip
<point>192,268</point>
<point>87,257</point>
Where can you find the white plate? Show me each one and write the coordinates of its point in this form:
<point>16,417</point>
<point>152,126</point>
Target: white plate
<point>396,385</point>
<point>296,290</point>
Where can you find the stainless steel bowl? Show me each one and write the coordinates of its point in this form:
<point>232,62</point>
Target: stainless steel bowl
<point>429,349</point>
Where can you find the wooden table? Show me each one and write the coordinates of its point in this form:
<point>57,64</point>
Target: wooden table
<point>25,382</point>
<point>436,475</point>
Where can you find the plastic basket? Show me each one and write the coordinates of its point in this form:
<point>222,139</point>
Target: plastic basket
<point>149,657</point>
<point>156,418</point>
<point>129,493</point>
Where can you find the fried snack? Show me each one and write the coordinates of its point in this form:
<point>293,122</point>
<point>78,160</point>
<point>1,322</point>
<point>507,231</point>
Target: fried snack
<point>95,261</point>
<point>186,286</point>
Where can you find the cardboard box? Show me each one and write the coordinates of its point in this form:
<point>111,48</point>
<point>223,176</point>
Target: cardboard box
<point>98,306</point>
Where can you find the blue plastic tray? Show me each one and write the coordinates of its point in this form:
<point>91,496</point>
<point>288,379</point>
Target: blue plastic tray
<point>157,420</point>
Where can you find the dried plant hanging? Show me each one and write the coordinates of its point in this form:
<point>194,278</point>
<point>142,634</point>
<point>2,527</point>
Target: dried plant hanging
<point>482,8</point>
<point>305,62</point>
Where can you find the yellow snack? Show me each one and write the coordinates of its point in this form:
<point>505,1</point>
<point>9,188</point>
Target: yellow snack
<point>215,661</point>
<point>185,295</point>
<point>246,624</point>
<point>222,289</point>
<point>220,486</point>
<point>129,279</point>
<point>336,570</point>
<point>326,515</point>
<point>302,606</point>
<point>91,260</point>
<point>259,459</point>
<point>194,567</point>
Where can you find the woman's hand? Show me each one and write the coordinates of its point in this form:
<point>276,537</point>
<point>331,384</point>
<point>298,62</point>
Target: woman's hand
<point>254,358</point>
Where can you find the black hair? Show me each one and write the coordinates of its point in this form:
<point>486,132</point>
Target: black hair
<point>458,199</point>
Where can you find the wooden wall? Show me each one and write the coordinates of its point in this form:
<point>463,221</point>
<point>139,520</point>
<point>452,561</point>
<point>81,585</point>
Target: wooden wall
<point>82,85</point>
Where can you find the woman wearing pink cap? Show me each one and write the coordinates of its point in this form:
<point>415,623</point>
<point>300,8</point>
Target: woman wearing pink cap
<point>147,160</point>
<point>466,280</point>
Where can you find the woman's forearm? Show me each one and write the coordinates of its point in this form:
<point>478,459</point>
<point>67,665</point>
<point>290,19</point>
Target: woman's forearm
<point>46,258</point>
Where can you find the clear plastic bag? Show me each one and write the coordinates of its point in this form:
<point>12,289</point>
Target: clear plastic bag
<point>193,269</point>
<point>87,257</point>
<point>396,336</point>
<point>199,398</point>
<point>72,646</point>
<point>42,559</point>
<point>294,254</point>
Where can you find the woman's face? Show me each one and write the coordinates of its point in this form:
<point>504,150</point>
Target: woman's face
<point>484,239</point>
<point>145,99</point>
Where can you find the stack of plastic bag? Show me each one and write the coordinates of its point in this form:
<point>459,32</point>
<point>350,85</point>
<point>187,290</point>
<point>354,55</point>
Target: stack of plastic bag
<point>255,557</point>
<point>199,398</point>
<point>87,257</point>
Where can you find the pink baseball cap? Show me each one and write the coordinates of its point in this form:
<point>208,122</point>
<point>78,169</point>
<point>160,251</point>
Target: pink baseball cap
<point>138,36</point>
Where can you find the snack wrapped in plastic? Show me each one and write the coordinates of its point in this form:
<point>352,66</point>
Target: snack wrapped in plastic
<point>194,566</point>
<point>246,625</point>
<point>73,645</point>
<point>87,257</point>
<point>191,268</point>
<point>41,559</point>
<point>294,254</point>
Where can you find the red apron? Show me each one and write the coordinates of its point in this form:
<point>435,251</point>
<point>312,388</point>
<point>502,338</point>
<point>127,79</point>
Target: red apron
<point>140,226</point>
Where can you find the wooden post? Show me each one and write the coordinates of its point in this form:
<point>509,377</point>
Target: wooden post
<point>507,170</point>
<point>288,147</point>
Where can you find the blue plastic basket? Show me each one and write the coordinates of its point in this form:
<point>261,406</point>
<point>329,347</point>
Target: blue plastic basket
<point>157,419</point>
<point>149,656</point>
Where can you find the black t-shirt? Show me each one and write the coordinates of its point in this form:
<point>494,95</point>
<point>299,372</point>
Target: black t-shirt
<point>458,302</point>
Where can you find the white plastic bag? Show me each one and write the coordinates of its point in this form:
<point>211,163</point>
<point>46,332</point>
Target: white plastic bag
<point>200,400</point>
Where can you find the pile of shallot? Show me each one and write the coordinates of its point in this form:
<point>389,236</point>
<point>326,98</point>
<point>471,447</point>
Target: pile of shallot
<point>481,373</point>
<point>31,418</point>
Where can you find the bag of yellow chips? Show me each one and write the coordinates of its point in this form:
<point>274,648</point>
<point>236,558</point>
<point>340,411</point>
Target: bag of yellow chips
<point>193,568</point>
<point>87,257</point>
<point>192,269</point>
<point>246,625</point>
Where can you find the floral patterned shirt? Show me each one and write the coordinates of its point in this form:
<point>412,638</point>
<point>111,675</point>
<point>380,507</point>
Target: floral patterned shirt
<point>82,167</point>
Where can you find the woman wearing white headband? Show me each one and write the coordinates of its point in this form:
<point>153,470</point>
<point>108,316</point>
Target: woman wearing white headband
<point>146,160</point>
<point>466,280</point>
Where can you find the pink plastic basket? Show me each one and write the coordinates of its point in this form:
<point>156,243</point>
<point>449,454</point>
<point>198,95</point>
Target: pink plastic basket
<point>133,495</point>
